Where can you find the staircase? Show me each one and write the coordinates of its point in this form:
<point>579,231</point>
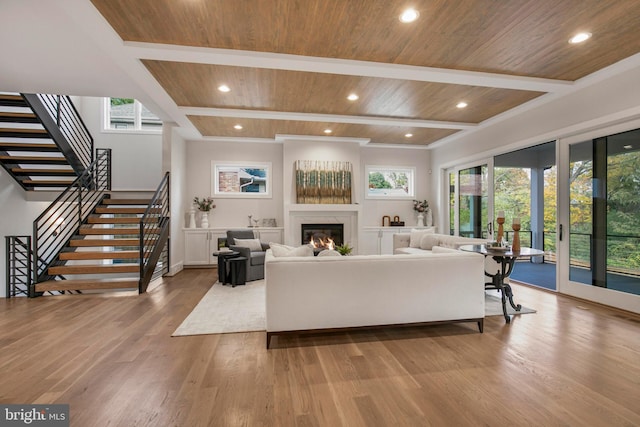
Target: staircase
<point>44,144</point>
<point>85,239</point>
<point>107,244</point>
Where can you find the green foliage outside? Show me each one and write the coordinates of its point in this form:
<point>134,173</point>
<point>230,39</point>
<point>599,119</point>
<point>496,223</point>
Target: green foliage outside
<point>377,180</point>
<point>121,101</point>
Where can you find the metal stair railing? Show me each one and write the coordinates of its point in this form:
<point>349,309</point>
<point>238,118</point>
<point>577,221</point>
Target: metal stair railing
<point>18,256</point>
<point>53,229</point>
<point>154,236</point>
<point>61,119</point>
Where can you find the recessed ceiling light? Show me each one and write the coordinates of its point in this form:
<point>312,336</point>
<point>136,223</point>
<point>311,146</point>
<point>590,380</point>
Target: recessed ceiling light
<point>238,127</point>
<point>409,15</point>
<point>353,97</point>
<point>461,104</point>
<point>579,38</point>
<point>224,88</point>
<point>327,131</point>
<point>408,135</point>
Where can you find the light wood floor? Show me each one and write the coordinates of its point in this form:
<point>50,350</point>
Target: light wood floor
<point>114,361</point>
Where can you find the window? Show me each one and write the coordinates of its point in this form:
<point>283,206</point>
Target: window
<point>389,182</point>
<point>129,115</point>
<point>241,179</point>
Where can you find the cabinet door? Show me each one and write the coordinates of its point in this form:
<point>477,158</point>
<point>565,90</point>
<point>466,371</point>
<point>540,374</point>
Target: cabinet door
<point>196,248</point>
<point>213,244</point>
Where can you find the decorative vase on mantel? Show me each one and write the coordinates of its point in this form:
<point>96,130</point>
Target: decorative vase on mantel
<point>192,217</point>
<point>428,221</point>
<point>204,222</point>
<point>420,222</point>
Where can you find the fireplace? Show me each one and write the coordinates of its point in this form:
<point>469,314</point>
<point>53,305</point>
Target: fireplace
<point>322,232</point>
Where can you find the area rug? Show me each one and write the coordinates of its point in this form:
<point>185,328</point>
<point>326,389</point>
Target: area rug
<point>493,305</point>
<point>225,309</point>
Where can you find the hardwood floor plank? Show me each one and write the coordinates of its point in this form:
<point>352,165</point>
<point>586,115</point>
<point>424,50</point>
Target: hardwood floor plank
<point>112,358</point>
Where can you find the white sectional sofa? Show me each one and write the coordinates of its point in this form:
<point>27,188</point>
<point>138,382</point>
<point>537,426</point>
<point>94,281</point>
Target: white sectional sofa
<point>422,242</point>
<point>311,293</point>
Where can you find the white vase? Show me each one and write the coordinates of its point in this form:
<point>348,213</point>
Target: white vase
<point>429,218</point>
<point>420,222</point>
<point>192,218</point>
<point>204,222</point>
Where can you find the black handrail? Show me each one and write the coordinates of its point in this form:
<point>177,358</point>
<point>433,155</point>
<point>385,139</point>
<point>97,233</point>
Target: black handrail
<point>154,236</point>
<point>64,216</point>
<point>18,257</point>
<point>61,119</point>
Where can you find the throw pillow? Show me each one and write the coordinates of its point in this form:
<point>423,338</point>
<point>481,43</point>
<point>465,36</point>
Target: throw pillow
<point>416,236</point>
<point>280,250</point>
<point>253,244</point>
<point>329,252</point>
<point>428,241</point>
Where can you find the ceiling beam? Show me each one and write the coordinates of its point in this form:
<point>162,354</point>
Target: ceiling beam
<point>333,118</point>
<point>278,61</point>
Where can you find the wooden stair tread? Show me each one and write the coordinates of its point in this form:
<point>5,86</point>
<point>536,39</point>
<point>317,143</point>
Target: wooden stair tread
<point>48,182</point>
<point>33,159</point>
<point>24,130</point>
<point>126,201</point>
<point>72,285</point>
<point>43,172</point>
<point>8,116</point>
<point>76,255</point>
<point>93,269</point>
<point>23,146</point>
<point>121,220</point>
<point>113,231</point>
<point>10,97</point>
<point>77,243</point>
<point>112,210</point>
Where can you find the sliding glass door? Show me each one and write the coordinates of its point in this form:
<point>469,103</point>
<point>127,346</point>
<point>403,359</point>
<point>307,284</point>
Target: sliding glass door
<point>470,200</point>
<point>604,200</point>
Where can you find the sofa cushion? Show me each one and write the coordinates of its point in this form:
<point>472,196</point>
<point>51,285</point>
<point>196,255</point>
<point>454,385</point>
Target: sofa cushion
<point>416,236</point>
<point>411,251</point>
<point>252,244</point>
<point>428,241</point>
<point>280,250</point>
<point>441,250</point>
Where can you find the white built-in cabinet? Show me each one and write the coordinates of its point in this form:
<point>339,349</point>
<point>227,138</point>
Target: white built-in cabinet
<point>379,240</point>
<point>201,243</point>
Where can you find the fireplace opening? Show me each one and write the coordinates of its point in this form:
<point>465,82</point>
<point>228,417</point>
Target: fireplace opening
<point>321,234</point>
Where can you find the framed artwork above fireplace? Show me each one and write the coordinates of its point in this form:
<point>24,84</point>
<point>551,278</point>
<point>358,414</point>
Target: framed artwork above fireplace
<point>389,182</point>
<point>241,179</point>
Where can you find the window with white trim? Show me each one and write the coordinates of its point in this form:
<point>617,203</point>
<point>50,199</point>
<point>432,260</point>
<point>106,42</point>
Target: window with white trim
<point>129,115</point>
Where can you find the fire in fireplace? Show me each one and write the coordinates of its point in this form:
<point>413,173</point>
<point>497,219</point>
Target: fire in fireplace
<point>320,235</point>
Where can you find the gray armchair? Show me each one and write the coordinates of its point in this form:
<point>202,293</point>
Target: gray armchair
<point>255,257</point>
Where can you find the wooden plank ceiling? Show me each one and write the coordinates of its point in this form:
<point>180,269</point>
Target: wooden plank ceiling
<point>516,44</point>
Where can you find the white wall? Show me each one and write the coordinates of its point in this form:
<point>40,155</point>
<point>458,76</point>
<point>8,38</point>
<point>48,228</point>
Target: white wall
<point>175,161</point>
<point>136,158</point>
<point>16,217</point>
<point>233,212</point>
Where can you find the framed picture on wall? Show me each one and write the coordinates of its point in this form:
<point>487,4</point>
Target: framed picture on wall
<point>241,179</point>
<point>389,182</point>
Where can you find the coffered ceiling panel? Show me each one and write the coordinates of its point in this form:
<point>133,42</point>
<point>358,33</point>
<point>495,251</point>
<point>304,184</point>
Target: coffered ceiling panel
<point>290,64</point>
<point>264,128</point>
<point>524,37</point>
<point>195,85</point>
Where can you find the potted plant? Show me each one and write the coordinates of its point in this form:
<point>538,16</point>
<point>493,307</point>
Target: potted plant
<point>344,249</point>
<point>204,205</point>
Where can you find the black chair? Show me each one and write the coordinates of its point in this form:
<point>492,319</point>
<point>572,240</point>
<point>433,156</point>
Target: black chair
<point>255,258</point>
